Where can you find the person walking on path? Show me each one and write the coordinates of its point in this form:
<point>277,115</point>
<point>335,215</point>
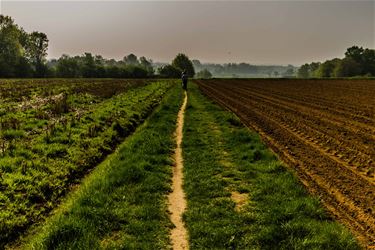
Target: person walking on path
<point>184,79</point>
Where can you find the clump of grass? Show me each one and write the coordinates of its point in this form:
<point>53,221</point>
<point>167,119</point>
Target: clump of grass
<point>60,104</point>
<point>12,134</point>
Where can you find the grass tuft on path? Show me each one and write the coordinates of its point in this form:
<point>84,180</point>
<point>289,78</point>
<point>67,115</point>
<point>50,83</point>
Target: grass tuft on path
<point>122,204</point>
<point>224,160</point>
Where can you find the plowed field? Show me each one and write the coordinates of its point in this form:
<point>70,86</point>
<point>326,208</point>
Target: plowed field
<point>323,129</point>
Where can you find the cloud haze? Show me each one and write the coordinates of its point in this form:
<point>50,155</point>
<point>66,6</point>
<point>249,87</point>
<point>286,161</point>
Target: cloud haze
<point>268,32</point>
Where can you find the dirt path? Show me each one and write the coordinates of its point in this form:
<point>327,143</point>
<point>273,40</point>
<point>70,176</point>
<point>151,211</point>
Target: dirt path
<point>176,199</point>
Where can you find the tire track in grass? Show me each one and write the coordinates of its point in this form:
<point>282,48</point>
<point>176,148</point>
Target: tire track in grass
<point>177,202</point>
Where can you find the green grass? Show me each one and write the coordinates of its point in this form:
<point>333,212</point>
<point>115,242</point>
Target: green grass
<point>122,204</point>
<point>44,154</point>
<point>221,156</point>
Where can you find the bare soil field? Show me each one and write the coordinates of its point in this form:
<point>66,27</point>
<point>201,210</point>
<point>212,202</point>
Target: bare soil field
<point>323,129</point>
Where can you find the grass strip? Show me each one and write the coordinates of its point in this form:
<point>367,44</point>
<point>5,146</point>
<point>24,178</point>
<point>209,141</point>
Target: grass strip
<point>240,196</point>
<point>35,175</point>
<point>122,204</point>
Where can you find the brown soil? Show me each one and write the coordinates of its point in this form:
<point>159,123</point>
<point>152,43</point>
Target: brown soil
<point>323,129</point>
<point>177,202</point>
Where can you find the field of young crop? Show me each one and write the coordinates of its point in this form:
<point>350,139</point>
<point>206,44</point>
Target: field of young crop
<point>53,132</point>
<point>323,129</point>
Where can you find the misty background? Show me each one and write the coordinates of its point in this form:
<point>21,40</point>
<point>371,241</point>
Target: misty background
<point>266,33</point>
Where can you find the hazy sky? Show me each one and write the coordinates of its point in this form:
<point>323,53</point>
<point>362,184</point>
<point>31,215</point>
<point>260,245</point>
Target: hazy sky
<point>258,32</point>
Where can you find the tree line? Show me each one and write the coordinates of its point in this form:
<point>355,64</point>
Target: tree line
<point>244,69</point>
<point>95,66</point>
<point>358,62</point>
<point>24,55</point>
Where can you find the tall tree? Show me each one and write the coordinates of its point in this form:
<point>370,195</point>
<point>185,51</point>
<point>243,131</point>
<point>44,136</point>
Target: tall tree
<point>182,62</point>
<point>11,49</point>
<point>131,59</point>
<point>355,53</point>
<point>147,65</point>
<point>36,49</point>
<point>88,65</point>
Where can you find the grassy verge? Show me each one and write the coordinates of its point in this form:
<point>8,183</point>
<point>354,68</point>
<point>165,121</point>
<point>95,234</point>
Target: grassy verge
<point>122,203</point>
<point>240,196</point>
<point>43,162</point>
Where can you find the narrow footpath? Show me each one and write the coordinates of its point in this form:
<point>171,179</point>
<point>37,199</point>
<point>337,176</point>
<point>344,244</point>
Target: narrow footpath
<point>176,200</point>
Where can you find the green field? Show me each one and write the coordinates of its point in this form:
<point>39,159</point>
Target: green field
<point>87,164</point>
<point>55,132</point>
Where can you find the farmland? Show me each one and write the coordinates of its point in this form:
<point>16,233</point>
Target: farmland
<point>323,129</point>
<point>238,194</point>
<point>53,132</point>
<point>79,171</point>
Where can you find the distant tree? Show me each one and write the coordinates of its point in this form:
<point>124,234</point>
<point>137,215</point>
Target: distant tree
<point>368,62</point>
<point>113,71</point>
<point>99,60</point>
<point>182,62</point>
<point>304,71</point>
<point>111,62</point>
<point>197,64</point>
<point>289,72</point>
<point>219,69</point>
<point>276,73</point>
<point>313,69</point>
<point>204,74</point>
<point>88,65</point>
<point>131,59</point>
<point>68,67</point>
<point>135,71</point>
<point>169,71</point>
<point>147,65</point>
<point>347,67</point>
<point>326,69</point>
<point>355,53</point>
<point>36,49</point>
<point>358,61</point>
